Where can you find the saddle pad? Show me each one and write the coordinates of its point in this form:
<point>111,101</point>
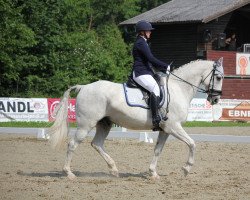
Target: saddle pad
<point>134,97</point>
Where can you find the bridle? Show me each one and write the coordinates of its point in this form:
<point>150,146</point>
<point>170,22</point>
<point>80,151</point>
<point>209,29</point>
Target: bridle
<point>211,92</point>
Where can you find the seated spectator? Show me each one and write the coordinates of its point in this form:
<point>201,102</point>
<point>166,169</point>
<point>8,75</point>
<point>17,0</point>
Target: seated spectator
<point>231,42</point>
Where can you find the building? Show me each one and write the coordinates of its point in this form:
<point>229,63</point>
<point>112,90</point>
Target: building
<point>187,30</point>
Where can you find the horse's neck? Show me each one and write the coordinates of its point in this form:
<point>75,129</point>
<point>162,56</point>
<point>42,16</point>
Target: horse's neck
<point>191,73</point>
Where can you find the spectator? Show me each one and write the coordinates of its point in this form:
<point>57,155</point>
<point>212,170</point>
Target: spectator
<point>231,42</point>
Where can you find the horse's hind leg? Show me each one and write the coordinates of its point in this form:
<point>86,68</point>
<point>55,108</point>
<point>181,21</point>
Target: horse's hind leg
<point>74,142</point>
<point>102,130</point>
<point>162,137</point>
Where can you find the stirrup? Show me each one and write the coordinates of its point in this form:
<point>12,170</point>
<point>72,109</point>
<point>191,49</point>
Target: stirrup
<point>157,128</point>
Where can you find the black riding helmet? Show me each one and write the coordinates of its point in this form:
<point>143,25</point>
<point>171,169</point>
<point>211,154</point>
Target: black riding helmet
<point>143,26</point>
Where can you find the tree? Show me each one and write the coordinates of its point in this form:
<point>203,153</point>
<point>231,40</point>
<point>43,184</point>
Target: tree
<point>48,45</point>
<point>146,5</point>
<point>15,38</point>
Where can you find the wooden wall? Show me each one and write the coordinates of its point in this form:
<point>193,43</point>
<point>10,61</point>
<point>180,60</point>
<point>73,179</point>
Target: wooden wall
<point>175,42</point>
<point>234,87</point>
<point>182,43</point>
<point>229,60</point>
<point>216,26</point>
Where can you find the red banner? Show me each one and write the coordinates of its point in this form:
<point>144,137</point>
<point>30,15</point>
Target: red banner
<point>52,103</point>
<point>240,112</point>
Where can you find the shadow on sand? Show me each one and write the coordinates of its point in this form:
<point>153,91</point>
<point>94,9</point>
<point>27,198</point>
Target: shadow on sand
<point>60,174</point>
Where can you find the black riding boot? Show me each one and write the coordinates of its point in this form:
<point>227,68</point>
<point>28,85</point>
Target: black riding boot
<point>154,104</point>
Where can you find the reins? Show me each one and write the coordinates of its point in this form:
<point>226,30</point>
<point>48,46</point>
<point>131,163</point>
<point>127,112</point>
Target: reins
<point>209,91</point>
<point>199,89</point>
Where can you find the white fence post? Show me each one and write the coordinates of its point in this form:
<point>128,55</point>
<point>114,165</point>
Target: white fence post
<point>145,137</point>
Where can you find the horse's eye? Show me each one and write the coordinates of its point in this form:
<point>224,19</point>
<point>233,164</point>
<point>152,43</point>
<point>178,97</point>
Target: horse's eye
<point>218,78</point>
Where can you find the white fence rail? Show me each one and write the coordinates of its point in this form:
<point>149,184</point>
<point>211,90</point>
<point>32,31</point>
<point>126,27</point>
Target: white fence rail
<point>148,137</point>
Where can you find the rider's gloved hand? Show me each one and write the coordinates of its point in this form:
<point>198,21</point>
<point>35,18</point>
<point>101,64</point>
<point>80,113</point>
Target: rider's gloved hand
<point>168,70</point>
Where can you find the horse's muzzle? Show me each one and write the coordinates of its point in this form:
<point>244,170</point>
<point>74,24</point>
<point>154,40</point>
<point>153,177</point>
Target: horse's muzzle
<point>213,99</point>
<point>214,96</point>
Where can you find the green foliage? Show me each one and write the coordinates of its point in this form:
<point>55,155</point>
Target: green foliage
<point>15,38</point>
<point>48,45</point>
<point>146,5</point>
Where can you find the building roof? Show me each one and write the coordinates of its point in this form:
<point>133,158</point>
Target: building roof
<point>186,11</point>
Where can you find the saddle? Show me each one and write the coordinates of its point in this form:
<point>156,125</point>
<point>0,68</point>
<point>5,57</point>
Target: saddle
<point>137,96</point>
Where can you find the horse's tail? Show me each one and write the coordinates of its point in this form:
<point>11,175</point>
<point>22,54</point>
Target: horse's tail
<point>7,116</point>
<point>59,130</point>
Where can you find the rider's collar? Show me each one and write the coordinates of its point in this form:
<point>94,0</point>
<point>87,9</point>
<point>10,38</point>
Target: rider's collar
<point>143,38</point>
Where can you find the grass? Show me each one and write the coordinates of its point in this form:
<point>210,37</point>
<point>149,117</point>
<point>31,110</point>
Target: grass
<point>216,124</point>
<point>187,124</point>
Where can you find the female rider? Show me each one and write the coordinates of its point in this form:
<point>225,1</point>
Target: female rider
<point>142,71</point>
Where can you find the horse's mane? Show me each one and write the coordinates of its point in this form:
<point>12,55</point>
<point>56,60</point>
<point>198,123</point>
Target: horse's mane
<point>191,62</point>
<point>183,66</point>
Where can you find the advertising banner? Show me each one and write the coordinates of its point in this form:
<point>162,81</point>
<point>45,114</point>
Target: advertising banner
<point>41,109</point>
<point>243,63</point>
<point>200,110</point>
<point>232,110</point>
<point>22,109</point>
<point>52,103</point>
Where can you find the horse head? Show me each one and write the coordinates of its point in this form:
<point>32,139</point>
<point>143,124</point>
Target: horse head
<point>213,82</point>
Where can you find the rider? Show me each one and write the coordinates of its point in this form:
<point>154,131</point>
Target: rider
<point>142,72</point>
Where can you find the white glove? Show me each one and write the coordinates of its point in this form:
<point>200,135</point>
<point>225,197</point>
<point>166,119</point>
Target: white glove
<point>168,70</point>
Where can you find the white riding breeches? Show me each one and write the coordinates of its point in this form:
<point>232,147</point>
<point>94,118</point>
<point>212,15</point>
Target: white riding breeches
<point>148,82</point>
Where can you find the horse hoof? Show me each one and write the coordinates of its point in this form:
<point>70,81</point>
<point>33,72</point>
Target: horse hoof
<point>71,176</point>
<point>114,173</point>
<point>155,177</point>
<point>185,170</point>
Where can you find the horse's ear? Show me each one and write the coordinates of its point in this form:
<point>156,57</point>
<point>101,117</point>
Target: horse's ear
<point>219,67</point>
<point>220,61</point>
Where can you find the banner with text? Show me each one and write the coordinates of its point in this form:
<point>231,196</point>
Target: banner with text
<point>41,109</point>
<point>52,103</point>
<point>22,109</point>
<point>200,110</point>
<point>232,110</point>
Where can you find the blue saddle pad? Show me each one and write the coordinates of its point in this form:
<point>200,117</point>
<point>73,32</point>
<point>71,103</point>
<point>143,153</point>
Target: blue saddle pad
<point>134,97</point>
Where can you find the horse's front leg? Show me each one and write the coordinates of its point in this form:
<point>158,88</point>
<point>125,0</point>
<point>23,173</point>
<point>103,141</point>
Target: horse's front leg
<point>178,132</point>
<point>162,137</point>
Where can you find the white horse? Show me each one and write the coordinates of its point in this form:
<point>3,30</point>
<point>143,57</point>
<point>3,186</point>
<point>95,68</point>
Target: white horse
<point>102,103</point>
